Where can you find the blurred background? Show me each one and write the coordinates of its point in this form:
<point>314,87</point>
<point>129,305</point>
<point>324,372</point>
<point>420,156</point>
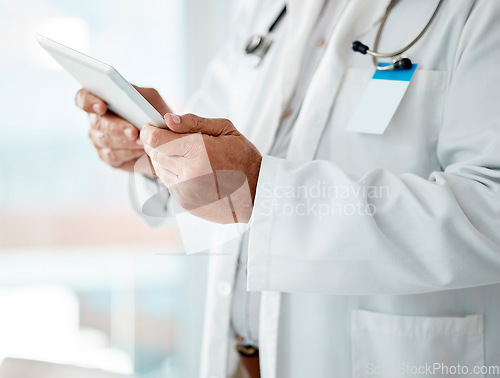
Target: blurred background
<point>83,280</point>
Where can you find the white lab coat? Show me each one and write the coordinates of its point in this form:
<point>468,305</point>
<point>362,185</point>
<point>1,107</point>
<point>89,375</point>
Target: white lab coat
<point>416,283</point>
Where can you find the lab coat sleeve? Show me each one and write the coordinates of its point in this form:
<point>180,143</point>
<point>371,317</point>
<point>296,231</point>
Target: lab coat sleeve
<point>407,234</point>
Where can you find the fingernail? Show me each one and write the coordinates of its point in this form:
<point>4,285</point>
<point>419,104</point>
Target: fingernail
<point>96,108</point>
<point>139,142</point>
<point>129,133</point>
<point>175,118</point>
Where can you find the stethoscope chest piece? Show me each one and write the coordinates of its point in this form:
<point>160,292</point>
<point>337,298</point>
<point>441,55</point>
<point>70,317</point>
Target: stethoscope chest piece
<point>259,45</point>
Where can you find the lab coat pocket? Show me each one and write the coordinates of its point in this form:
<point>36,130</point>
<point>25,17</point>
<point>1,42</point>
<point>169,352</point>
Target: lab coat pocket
<point>393,346</point>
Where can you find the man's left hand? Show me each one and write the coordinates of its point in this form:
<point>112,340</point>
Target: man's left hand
<point>207,165</point>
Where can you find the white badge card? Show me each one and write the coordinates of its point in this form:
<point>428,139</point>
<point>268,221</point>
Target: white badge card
<point>380,101</point>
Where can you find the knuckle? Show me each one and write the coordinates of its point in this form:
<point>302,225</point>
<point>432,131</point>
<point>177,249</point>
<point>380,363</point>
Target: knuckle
<point>108,156</point>
<point>193,119</point>
<point>117,126</point>
<point>105,124</point>
<point>154,138</point>
<point>122,125</point>
<point>227,124</point>
<point>196,121</point>
<point>111,156</point>
<point>92,118</point>
<point>111,127</point>
<point>97,122</point>
<point>104,140</point>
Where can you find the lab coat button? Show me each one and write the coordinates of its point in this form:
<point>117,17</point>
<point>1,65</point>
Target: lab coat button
<point>287,113</point>
<point>320,42</point>
<point>223,288</point>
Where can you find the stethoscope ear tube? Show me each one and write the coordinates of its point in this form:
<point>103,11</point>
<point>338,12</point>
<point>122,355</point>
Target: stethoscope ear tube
<point>359,47</point>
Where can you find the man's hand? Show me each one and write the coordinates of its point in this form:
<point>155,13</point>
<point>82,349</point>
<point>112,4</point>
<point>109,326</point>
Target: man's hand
<point>116,140</point>
<point>207,165</point>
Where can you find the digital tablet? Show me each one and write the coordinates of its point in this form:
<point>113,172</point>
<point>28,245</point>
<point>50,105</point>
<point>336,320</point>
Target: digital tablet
<point>105,82</point>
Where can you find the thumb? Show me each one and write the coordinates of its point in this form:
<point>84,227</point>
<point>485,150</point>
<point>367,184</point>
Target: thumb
<point>190,123</point>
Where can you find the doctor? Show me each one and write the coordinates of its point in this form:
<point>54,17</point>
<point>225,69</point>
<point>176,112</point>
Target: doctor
<point>368,254</point>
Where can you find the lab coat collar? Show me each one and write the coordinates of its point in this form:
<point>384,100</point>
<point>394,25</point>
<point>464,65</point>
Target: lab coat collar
<point>301,18</point>
<point>358,16</point>
<point>266,109</point>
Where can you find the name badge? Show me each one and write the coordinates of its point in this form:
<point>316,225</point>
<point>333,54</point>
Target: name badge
<point>380,101</point>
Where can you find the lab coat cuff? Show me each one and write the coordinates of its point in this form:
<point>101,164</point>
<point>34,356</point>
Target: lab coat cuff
<point>262,225</point>
<point>149,199</point>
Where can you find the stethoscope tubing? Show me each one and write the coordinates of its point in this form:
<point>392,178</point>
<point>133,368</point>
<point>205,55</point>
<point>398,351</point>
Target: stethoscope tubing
<point>259,44</point>
<point>399,52</point>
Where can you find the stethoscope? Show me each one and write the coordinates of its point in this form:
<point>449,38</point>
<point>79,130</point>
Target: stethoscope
<point>259,44</point>
<point>399,61</point>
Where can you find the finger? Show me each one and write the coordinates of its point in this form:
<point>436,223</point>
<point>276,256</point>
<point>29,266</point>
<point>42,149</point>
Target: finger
<point>175,164</point>
<point>90,102</point>
<point>169,148</point>
<point>112,124</point>
<point>190,123</point>
<point>116,158</point>
<point>169,178</point>
<point>154,98</point>
<point>147,93</point>
<point>184,154</point>
<point>154,137</point>
<point>107,140</point>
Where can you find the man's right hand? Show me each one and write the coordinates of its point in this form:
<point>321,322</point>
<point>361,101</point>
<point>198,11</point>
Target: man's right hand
<point>116,140</point>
